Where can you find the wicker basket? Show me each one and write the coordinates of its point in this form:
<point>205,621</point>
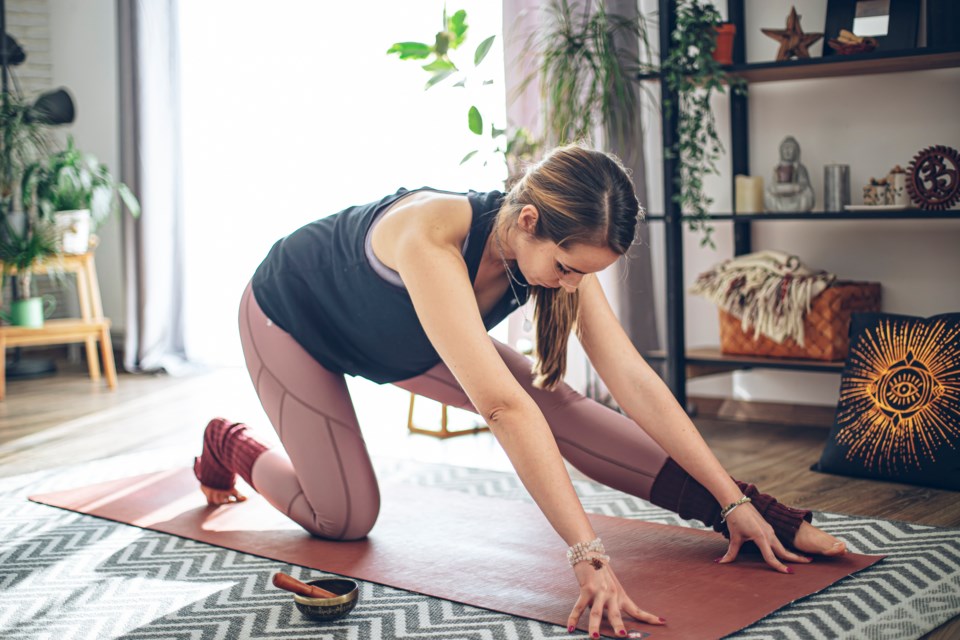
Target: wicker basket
<point>825,327</point>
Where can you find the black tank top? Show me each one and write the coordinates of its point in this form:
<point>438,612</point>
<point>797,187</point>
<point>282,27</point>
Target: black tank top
<point>319,285</point>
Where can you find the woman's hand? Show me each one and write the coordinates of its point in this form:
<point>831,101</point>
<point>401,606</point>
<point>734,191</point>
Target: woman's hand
<point>599,590</point>
<point>745,523</point>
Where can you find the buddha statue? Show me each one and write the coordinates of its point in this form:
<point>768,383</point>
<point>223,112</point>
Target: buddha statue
<point>790,188</point>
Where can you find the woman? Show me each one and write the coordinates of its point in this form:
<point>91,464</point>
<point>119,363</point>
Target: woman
<point>404,290</point>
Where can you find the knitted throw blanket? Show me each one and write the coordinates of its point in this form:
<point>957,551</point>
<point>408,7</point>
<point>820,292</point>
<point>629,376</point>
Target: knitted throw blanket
<point>770,291</point>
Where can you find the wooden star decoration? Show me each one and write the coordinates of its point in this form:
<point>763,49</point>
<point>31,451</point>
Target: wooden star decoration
<point>793,41</point>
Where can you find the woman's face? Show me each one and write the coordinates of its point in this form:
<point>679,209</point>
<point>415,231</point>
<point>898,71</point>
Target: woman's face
<point>546,264</point>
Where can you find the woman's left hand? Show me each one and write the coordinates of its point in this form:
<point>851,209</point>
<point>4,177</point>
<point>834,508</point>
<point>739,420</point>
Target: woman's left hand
<point>745,523</point>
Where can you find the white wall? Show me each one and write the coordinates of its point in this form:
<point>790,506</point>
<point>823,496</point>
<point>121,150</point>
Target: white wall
<point>83,53</point>
<point>871,123</point>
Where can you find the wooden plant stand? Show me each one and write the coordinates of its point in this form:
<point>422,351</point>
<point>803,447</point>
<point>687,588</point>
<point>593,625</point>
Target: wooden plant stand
<point>89,328</point>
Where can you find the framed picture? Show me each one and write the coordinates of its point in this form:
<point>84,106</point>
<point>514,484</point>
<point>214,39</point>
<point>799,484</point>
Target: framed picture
<point>893,23</point>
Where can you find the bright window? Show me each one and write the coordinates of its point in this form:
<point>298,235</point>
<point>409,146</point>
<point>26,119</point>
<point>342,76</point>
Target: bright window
<point>292,111</point>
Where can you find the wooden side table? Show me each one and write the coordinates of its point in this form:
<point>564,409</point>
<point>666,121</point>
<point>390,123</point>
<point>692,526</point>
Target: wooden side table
<point>89,328</point>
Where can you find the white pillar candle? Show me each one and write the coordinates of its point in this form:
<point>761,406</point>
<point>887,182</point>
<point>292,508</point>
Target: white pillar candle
<point>749,196</point>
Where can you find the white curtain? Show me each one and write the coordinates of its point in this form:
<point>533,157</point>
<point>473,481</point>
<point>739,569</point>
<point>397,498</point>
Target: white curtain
<point>150,159</point>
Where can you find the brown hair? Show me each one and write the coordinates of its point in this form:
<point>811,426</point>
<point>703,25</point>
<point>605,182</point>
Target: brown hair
<point>582,196</point>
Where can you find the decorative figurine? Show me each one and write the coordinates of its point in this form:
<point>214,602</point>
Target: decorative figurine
<point>790,190</point>
<point>793,41</point>
<point>897,187</point>
<point>877,192</point>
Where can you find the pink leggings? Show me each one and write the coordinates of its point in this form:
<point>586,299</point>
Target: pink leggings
<point>326,482</point>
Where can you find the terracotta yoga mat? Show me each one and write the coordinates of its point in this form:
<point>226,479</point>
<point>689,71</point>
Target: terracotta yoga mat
<point>492,553</point>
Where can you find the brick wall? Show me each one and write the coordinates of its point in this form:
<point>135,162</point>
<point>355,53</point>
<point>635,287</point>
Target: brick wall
<point>28,21</point>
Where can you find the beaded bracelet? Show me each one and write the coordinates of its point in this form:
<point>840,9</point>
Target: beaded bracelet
<point>578,552</point>
<point>730,507</point>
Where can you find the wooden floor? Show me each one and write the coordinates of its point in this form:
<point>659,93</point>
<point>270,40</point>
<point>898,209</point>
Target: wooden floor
<point>64,419</point>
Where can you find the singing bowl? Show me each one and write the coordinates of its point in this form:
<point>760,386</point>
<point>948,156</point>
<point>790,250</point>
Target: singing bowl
<point>348,593</point>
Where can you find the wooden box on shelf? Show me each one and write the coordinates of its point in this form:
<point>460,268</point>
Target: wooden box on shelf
<point>825,327</point>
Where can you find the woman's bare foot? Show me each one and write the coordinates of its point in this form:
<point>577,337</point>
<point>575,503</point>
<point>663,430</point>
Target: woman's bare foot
<point>809,539</point>
<point>216,497</point>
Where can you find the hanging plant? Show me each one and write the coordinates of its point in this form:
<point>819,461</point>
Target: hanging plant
<point>586,80</point>
<point>691,71</point>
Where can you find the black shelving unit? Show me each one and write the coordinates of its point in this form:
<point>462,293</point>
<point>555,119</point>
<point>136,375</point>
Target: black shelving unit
<point>675,357</point>
<point>883,214</point>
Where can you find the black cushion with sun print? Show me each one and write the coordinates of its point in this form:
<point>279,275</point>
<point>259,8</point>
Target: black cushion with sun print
<point>899,412</point>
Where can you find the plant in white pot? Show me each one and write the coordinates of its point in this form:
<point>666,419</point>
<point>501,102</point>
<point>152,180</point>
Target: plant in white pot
<point>77,192</point>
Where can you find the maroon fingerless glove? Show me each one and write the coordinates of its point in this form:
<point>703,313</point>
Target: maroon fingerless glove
<point>676,490</point>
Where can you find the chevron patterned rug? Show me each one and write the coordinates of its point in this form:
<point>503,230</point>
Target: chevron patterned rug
<point>64,575</point>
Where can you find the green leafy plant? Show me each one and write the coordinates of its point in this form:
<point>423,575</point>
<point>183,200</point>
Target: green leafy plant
<point>517,145</point>
<point>449,38</point>
<point>586,79</point>
<point>691,71</point>
<point>21,248</point>
<point>24,240</point>
<point>72,179</point>
<point>23,139</point>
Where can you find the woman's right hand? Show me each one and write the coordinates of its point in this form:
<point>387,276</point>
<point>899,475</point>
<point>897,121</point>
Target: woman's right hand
<point>599,590</point>
<point>216,497</point>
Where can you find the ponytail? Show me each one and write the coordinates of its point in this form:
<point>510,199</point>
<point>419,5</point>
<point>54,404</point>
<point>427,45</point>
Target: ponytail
<point>556,314</point>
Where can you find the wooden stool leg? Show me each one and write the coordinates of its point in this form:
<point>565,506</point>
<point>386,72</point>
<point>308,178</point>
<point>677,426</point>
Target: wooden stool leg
<point>87,312</point>
<point>410,426</point>
<point>93,361</point>
<point>3,369</point>
<point>444,432</point>
<point>96,304</point>
<point>106,349</point>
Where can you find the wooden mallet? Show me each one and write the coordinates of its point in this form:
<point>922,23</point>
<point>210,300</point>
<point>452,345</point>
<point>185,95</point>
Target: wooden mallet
<point>291,584</point>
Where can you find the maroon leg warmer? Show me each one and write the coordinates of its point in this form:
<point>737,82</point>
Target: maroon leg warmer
<point>228,450</point>
<point>676,490</point>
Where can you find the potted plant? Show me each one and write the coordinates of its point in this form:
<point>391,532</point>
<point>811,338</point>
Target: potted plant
<point>691,70</point>
<point>726,33</point>
<point>24,239</point>
<point>78,193</point>
<point>20,250</point>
